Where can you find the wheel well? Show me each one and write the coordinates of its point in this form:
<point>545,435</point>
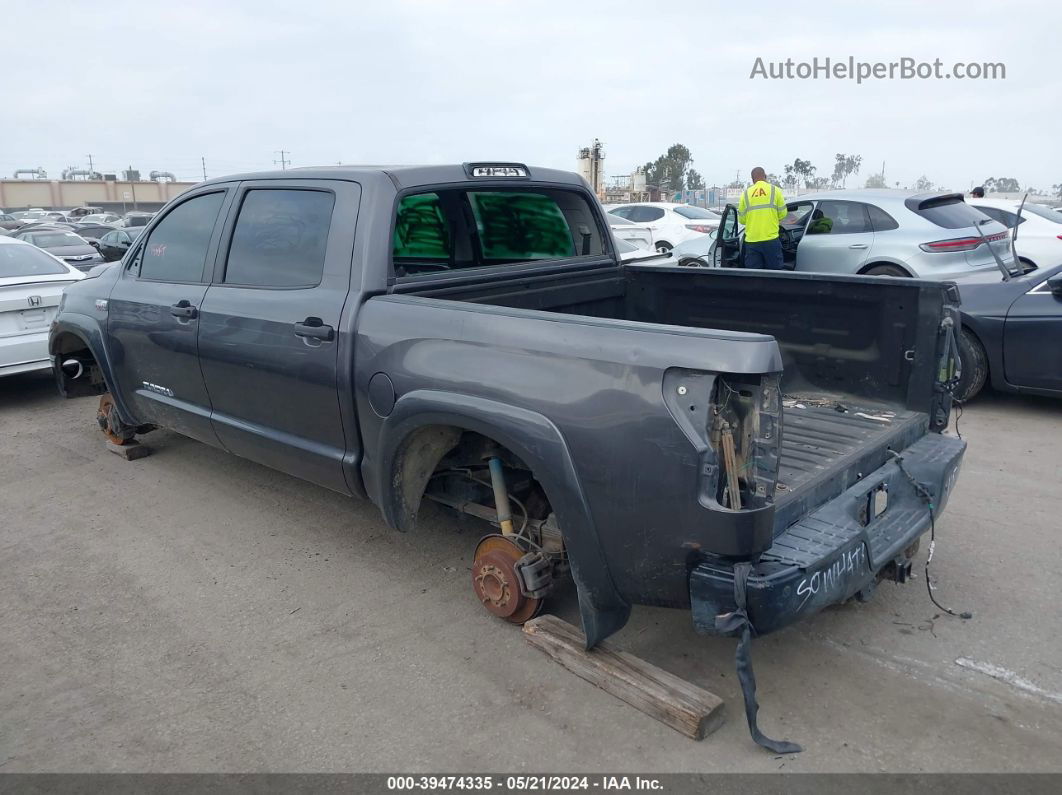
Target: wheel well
<point>862,271</point>
<point>84,378</point>
<point>448,464</point>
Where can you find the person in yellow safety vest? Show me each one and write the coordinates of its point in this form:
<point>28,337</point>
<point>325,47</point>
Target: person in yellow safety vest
<point>761,208</point>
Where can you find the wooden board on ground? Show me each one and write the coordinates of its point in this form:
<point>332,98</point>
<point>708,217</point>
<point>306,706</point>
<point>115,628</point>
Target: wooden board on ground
<point>682,705</point>
<point>130,451</point>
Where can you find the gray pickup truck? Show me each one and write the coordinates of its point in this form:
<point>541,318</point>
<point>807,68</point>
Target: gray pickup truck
<point>466,334</point>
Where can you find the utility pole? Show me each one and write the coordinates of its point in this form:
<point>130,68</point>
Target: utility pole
<point>132,186</point>
<point>203,161</point>
<point>91,170</point>
<point>283,162</point>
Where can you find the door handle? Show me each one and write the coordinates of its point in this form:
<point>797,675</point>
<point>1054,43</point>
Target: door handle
<point>314,328</point>
<point>184,308</point>
<point>858,245</point>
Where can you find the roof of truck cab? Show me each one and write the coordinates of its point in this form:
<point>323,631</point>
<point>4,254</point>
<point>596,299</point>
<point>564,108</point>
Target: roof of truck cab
<point>407,176</point>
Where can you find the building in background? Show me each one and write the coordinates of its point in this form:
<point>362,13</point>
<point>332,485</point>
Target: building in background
<point>131,192</point>
<point>590,164</point>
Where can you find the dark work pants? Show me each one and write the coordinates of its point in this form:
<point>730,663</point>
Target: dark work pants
<point>766,255</point>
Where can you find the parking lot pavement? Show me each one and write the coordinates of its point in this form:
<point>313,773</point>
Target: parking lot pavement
<point>192,611</point>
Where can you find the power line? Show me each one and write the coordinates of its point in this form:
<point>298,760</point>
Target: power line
<point>282,161</point>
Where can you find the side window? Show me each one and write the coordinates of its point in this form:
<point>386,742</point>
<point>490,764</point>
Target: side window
<point>109,238</point>
<point>645,214</point>
<point>881,220</point>
<point>1008,219</point>
<point>839,218</point>
<point>798,213</point>
<point>177,248</point>
<point>280,238</point>
<point>421,231</point>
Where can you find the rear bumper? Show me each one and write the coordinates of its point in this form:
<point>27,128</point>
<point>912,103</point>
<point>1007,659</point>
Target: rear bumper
<point>834,553</point>
<point>23,353</point>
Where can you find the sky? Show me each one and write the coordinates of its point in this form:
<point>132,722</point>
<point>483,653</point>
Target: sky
<point>160,85</point>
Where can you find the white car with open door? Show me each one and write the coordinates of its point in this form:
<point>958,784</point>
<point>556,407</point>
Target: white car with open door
<point>669,223</point>
<point>1039,234</point>
<point>31,287</point>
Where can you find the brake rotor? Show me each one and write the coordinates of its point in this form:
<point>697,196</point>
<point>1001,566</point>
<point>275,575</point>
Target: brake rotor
<point>496,581</point>
<point>103,418</point>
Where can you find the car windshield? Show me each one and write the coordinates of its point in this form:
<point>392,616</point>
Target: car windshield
<point>50,239</point>
<point>1042,210</point>
<point>17,260</point>
<point>697,212</point>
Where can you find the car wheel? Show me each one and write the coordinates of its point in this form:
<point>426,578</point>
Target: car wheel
<point>693,262</point>
<point>663,247</point>
<point>974,366</point>
<point>887,270</point>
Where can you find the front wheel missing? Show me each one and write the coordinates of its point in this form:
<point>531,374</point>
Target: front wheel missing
<point>109,422</point>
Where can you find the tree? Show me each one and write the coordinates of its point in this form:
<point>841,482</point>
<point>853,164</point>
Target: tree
<point>1057,190</point>
<point>668,172</point>
<point>694,181</point>
<point>817,183</point>
<point>923,183</point>
<point>790,180</point>
<point>773,179</point>
<point>876,181</point>
<point>843,166</point>
<point>1002,185</point>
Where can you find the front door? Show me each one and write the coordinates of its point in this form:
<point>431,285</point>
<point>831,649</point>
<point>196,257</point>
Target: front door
<point>269,331</point>
<point>837,238</point>
<point>153,317</point>
<point>727,247</point>
<point>1031,353</point>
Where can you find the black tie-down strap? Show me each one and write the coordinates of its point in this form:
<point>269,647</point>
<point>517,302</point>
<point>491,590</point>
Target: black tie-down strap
<point>737,623</point>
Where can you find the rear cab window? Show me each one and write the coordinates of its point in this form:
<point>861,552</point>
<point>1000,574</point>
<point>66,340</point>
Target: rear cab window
<point>479,227</point>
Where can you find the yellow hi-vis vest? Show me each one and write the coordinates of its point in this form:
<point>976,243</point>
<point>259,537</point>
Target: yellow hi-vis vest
<point>761,207</point>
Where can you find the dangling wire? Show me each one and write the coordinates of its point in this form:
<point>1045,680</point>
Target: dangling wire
<point>927,498</point>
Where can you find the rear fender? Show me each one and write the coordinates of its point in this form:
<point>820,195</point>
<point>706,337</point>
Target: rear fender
<point>539,444</point>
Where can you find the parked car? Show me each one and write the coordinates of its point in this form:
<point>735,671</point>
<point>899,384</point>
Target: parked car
<point>31,285</point>
<point>136,219</point>
<point>100,218</point>
<point>30,216</point>
<point>487,350</point>
<point>639,236</point>
<point>82,213</point>
<point>1011,333</point>
<point>9,222</point>
<point>697,252</point>
<point>669,223</point>
<point>65,245</point>
<point>92,232</point>
<point>883,233</point>
<point>1039,239</point>
<point>115,242</point>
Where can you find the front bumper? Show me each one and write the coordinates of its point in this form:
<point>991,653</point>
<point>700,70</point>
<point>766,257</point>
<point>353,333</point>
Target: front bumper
<point>834,552</point>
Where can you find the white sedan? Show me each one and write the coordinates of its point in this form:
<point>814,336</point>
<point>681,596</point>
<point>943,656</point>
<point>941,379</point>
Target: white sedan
<point>670,223</point>
<point>31,286</point>
<point>622,229</point>
<point>1039,242</point>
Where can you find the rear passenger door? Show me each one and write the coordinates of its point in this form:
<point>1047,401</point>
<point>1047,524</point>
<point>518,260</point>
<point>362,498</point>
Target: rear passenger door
<point>270,326</point>
<point>837,239</point>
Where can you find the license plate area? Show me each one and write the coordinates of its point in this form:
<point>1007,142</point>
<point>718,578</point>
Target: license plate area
<point>875,504</point>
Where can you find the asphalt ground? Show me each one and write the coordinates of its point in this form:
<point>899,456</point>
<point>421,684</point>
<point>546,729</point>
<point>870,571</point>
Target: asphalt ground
<point>192,611</point>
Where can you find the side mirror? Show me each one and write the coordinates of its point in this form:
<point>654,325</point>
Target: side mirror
<point>95,244</point>
<point>1054,284</point>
